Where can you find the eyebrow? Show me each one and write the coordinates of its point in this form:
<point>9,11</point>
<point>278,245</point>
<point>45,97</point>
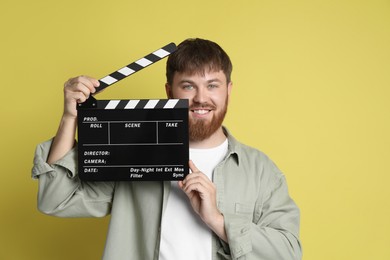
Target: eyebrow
<point>186,81</point>
<point>192,82</point>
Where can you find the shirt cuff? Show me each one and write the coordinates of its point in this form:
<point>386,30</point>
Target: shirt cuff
<point>69,161</point>
<point>238,230</point>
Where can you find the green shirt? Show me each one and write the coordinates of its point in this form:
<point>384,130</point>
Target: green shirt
<point>261,220</point>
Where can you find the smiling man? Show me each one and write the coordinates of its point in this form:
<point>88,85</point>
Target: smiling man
<point>208,93</point>
<point>233,205</point>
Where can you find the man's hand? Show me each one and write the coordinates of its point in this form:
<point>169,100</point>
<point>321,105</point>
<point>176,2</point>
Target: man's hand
<point>77,90</point>
<point>201,192</point>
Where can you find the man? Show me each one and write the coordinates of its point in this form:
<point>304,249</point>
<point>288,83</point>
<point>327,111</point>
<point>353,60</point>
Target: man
<point>233,205</point>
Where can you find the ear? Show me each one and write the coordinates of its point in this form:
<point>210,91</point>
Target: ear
<point>230,87</point>
<point>168,90</point>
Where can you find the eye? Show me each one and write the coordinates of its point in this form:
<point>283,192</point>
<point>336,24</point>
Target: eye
<point>188,87</point>
<point>211,86</point>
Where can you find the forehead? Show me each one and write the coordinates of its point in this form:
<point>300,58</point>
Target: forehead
<point>199,76</point>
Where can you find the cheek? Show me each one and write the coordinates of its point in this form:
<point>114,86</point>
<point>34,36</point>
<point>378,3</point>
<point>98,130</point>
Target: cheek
<point>220,100</point>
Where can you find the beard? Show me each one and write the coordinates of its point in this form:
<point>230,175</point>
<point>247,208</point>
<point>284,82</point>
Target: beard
<point>200,129</point>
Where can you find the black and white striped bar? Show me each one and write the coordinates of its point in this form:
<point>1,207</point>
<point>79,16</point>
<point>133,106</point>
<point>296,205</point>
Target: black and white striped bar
<point>143,104</point>
<point>136,66</point>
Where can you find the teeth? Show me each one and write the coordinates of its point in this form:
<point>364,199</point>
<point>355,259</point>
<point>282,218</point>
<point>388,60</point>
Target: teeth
<point>201,112</point>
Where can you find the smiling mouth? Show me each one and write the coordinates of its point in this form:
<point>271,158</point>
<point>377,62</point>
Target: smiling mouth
<point>201,111</point>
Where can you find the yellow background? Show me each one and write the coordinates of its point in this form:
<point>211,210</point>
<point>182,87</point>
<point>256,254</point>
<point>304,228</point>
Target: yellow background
<point>311,90</point>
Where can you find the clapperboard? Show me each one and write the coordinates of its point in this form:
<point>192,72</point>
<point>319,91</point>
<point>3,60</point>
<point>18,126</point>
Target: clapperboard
<point>133,140</point>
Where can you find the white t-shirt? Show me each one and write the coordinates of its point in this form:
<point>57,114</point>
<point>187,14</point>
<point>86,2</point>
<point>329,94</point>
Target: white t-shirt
<point>183,233</point>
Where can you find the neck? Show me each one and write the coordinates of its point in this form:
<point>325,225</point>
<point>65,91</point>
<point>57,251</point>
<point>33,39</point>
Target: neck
<point>213,141</point>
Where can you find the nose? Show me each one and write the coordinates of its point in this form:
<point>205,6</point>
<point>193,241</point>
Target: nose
<point>200,95</point>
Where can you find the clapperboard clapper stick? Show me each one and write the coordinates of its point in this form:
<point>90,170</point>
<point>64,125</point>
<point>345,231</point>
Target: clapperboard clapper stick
<point>133,140</point>
<point>130,70</point>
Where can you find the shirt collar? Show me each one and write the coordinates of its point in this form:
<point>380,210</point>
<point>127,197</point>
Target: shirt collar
<point>233,146</point>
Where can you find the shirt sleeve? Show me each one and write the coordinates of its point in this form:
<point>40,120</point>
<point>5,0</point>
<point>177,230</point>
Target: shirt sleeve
<point>61,192</point>
<point>274,234</point>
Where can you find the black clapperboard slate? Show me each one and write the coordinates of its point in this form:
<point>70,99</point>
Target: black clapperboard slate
<point>133,140</point>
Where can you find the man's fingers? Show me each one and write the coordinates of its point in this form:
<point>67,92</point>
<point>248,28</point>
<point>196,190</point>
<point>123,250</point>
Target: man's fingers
<point>76,91</point>
<point>78,96</point>
<point>196,179</point>
<point>194,186</point>
<point>77,83</point>
<point>80,88</point>
<point>92,82</point>
<point>193,167</point>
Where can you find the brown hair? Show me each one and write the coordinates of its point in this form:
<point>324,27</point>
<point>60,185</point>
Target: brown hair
<point>197,56</point>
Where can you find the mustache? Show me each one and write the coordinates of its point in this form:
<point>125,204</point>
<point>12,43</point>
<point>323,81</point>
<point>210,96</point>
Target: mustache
<point>202,106</point>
